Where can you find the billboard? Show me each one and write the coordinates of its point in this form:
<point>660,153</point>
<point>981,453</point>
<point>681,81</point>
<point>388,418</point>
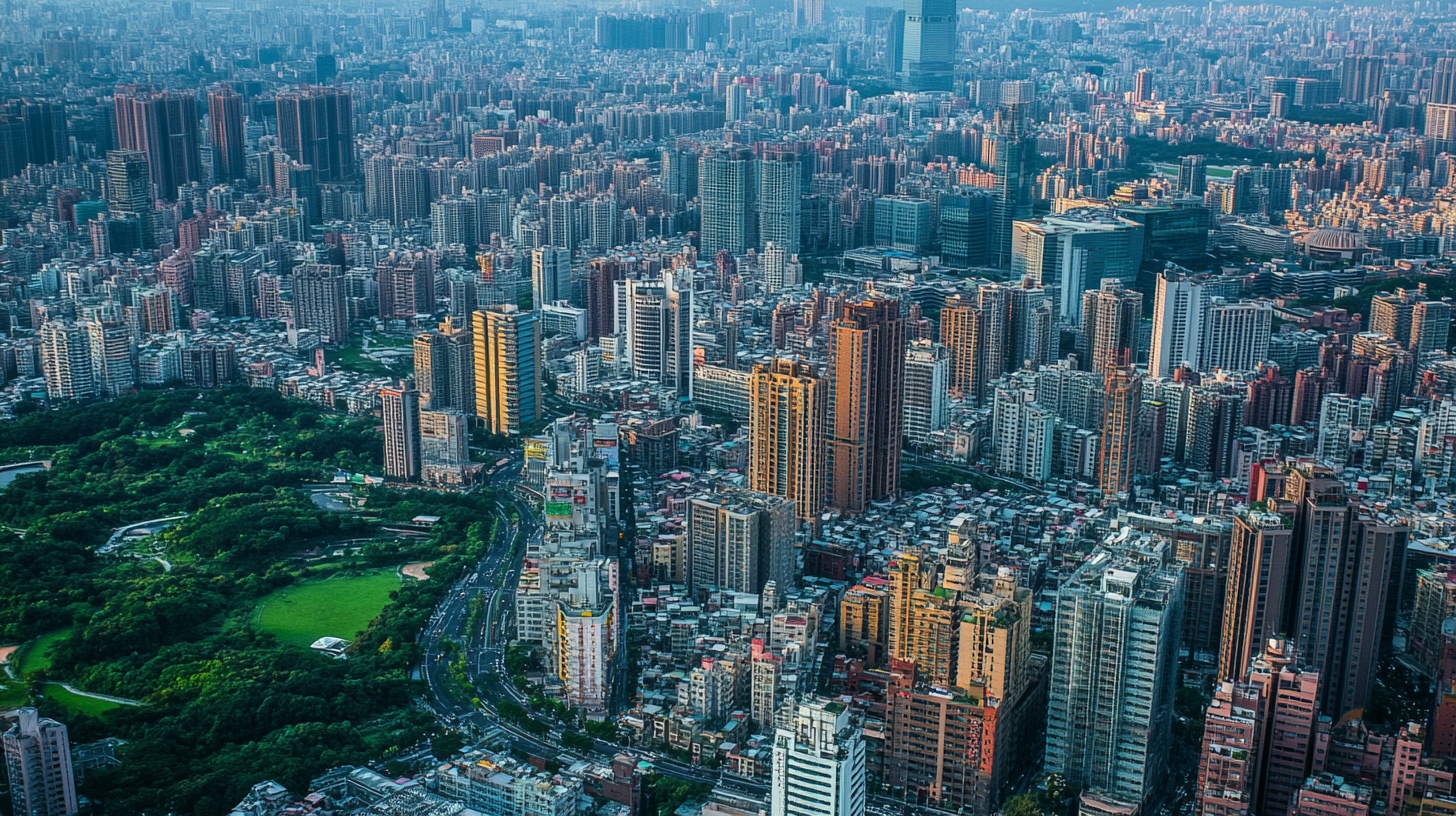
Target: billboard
<point>535,449</point>
<point>555,508</point>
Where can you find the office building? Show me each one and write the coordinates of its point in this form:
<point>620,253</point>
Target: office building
<point>819,763</point>
<point>903,223</point>
<point>728,190</point>
<point>316,128</point>
<point>320,302</point>
<point>659,330</point>
<point>927,378</point>
<point>1192,176</point>
<point>928,47</point>
<point>1115,688</point>
<point>964,229</point>
<point>867,360</point>
<point>225,127</point>
<point>162,125</point>
<point>38,766</point>
<point>789,411</point>
<point>1011,194</point>
<point>507,370</point>
<point>401,411</point>
<point>778,202</point>
<point>1072,254</point>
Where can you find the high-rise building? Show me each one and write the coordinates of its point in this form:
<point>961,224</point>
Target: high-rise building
<point>164,126</point>
<point>1215,422</point>
<point>445,367</point>
<point>727,189</point>
<point>1259,589</point>
<point>739,541</point>
<point>659,330</point>
<point>1022,434</point>
<point>1142,90</point>
<point>927,380</point>
<point>316,128</point>
<point>1121,403</point>
<point>1292,712</point>
<point>819,763</point>
<point>113,357</point>
<point>320,302</point>
<point>401,410</point>
<point>864,621</point>
<point>1074,253</point>
<point>1180,307</point>
<point>32,131</point>
<point>1011,193</point>
<point>66,360</point>
<point>1362,78</point>
<point>788,411</point>
<point>1192,176</point>
<point>507,368</point>
<point>38,765</point>
<point>1232,738</point>
<point>963,331</point>
<point>778,201</point>
<point>1109,333</point>
<point>225,127</point>
<point>129,189</point>
<point>928,48</point>
<point>550,275</point>
<point>867,358</point>
<point>444,447</point>
<point>1345,570</point>
<point>406,284</point>
<point>1109,717</point>
<point>1430,326</point>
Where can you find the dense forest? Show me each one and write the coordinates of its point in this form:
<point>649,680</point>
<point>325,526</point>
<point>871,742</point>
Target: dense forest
<point>224,704</point>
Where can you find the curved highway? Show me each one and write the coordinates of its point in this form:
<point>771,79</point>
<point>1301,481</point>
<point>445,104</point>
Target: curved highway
<point>495,579</point>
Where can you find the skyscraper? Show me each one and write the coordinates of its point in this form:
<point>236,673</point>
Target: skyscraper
<point>963,332</point>
<point>1362,78</point>
<point>1180,310</point>
<point>164,126</point>
<point>788,411</point>
<point>819,763</point>
<point>406,284</point>
<point>319,302</point>
<point>867,357</point>
<point>66,361</point>
<point>316,127</point>
<point>1114,669</point>
<point>38,764</point>
<point>225,126</point>
<point>928,51</point>
<point>1143,86</point>
<point>401,409</point>
<point>507,370</point>
<point>1012,190</point>
<point>550,275</point>
<point>728,189</point>
<point>778,201</point>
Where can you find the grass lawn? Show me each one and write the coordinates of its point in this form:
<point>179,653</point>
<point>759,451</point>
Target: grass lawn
<point>77,703</point>
<point>334,607</point>
<point>38,655</point>
<point>12,694</point>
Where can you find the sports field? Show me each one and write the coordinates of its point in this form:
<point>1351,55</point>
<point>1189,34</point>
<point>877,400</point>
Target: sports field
<point>333,607</point>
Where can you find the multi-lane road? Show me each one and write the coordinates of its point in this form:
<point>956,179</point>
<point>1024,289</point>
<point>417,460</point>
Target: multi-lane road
<point>494,579</point>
